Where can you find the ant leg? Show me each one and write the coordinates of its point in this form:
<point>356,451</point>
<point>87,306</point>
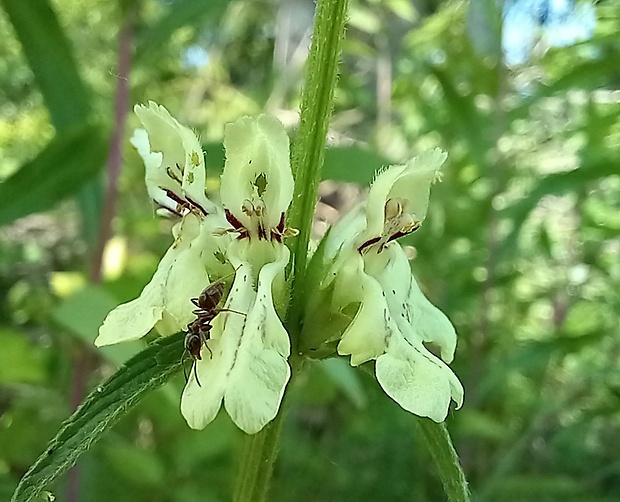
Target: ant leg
<point>184,371</point>
<point>233,311</point>
<point>183,365</point>
<point>196,373</point>
<point>204,342</point>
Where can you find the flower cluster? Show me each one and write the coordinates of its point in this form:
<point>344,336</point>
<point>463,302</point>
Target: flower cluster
<point>247,367</point>
<point>366,301</point>
<point>362,265</point>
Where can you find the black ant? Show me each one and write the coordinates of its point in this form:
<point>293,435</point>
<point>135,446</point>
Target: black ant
<point>198,330</point>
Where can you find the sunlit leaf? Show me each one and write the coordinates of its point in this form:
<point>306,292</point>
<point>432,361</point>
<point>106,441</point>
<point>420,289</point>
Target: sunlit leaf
<point>83,312</point>
<point>346,379</point>
<point>50,57</point>
<point>352,164</point>
<point>180,13</point>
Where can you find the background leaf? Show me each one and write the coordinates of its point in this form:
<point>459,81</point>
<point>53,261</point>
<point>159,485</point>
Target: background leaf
<point>180,13</point>
<point>143,373</point>
<point>51,60</point>
<point>83,312</point>
<point>67,163</point>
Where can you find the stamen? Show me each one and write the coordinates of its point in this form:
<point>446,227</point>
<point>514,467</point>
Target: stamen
<point>248,208</point>
<point>172,175</point>
<point>197,206</point>
<point>181,204</point>
<point>397,223</point>
<point>393,209</point>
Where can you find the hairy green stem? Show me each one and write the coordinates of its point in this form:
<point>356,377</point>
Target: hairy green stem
<point>261,450</point>
<point>259,455</point>
<point>309,146</point>
<point>446,460</point>
<point>258,458</point>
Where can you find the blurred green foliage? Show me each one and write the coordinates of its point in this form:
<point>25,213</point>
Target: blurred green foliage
<point>521,248</point>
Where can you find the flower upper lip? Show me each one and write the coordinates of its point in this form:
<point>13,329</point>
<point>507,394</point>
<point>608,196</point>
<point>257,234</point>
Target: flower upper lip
<point>398,200</point>
<point>175,168</point>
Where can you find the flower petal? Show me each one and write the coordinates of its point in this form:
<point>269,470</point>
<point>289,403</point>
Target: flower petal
<point>187,278</point>
<point>418,381</point>
<point>165,301</point>
<point>430,323</point>
<point>391,325</point>
<point>249,367</point>
<point>257,167</point>
<point>133,320</point>
<point>202,399</point>
<point>410,184</point>
<point>364,338</point>
<point>261,372</point>
<point>418,319</point>
<point>173,158</point>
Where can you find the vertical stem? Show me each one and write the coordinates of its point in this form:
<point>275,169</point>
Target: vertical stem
<point>309,147</point>
<point>121,105</point>
<point>115,153</point>
<point>308,151</point>
<point>259,455</point>
<point>446,460</point>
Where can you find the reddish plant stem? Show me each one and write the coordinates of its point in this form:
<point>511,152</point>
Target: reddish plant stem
<point>113,168</point>
<point>115,153</point>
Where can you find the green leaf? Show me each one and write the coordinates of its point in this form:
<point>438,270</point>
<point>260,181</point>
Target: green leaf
<point>143,373</point>
<point>215,158</point>
<point>554,184</point>
<point>559,183</point>
<point>49,55</point>
<point>352,164</point>
<point>180,13</point>
<point>139,466</point>
<point>20,360</point>
<point>68,161</point>
<point>83,313</point>
<point>344,376</point>
<point>466,119</point>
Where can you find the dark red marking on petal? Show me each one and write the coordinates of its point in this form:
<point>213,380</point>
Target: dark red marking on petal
<point>232,219</point>
<point>197,206</point>
<point>369,242</point>
<point>173,196</point>
<point>280,227</point>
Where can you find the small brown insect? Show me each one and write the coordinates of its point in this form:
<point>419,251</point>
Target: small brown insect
<point>198,330</point>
